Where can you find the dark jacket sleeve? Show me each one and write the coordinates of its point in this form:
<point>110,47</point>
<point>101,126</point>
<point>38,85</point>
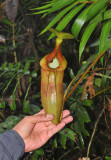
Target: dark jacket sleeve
<point>11,146</point>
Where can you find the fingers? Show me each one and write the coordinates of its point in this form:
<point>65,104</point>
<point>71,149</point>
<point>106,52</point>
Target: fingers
<point>39,118</point>
<point>55,129</point>
<point>67,119</point>
<point>42,117</point>
<point>42,111</point>
<point>66,113</point>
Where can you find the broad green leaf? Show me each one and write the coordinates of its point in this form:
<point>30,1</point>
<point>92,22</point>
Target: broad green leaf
<point>104,16</point>
<point>57,18</point>
<point>60,4</point>
<point>96,7</point>
<point>82,115</point>
<point>107,158</point>
<point>104,34</point>
<point>86,15</point>
<point>68,133</point>
<point>98,82</point>
<point>39,151</point>
<point>103,37</point>
<point>79,128</point>
<point>79,22</point>
<point>67,19</point>
<point>87,102</point>
<point>88,31</point>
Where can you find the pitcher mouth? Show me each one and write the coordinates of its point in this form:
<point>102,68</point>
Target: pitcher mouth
<point>45,65</point>
<point>55,60</point>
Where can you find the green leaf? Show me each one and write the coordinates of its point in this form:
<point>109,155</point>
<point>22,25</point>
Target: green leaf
<point>68,133</point>
<point>104,34</point>
<point>86,15</point>
<point>57,18</point>
<point>98,82</point>
<point>26,66</point>
<point>6,21</point>
<point>12,103</point>
<point>39,151</point>
<point>79,22</point>
<point>107,158</point>
<point>55,143</point>
<point>43,11</point>
<point>43,7</point>
<point>72,74</point>
<point>82,115</point>
<point>67,19</point>
<point>87,102</point>
<point>107,45</point>
<point>8,84</point>
<point>26,108</point>
<point>10,66</point>
<point>104,16</point>
<point>63,140</point>
<point>79,128</point>
<point>60,4</point>
<point>4,66</point>
<point>88,31</point>
<point>2,104</point>
<point>105,76</point>
<point>81,139</point>
<point>18,66</point>
<point>73,106</point>
<point>96,8</point>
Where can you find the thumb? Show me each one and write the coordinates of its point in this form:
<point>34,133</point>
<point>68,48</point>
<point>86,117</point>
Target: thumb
<point>40,118</point>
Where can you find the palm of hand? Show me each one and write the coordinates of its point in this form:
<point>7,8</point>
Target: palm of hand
<point>36,130</point>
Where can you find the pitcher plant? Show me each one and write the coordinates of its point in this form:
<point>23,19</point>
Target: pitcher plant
<point>52,73</point>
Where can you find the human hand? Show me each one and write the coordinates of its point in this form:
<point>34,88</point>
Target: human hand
<point>37,129</point>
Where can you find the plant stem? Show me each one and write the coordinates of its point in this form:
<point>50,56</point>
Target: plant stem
<point>100,92</point>
<point>15,58</point>
<point>83,75</point>
<point>94,130</point>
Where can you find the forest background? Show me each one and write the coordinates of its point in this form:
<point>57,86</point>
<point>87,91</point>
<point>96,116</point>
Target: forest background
<point>25,39</point>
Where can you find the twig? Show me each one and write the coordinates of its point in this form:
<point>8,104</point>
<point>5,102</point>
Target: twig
<point>94,130</point>
<point>82,77</point>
